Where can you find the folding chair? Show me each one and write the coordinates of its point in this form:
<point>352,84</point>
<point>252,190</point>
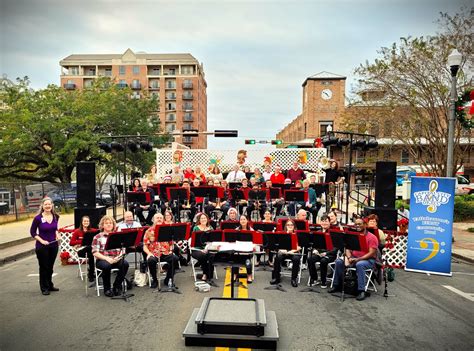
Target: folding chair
<point>289,266</point>
<point>98,274</point>
<point>81,273</point>
<point>161,273</point>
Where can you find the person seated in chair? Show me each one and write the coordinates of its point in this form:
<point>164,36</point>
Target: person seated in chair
<point>204,258</point>
<point>146,207</point>
<point>324,257</point>
<point>162,250</point>
<point>76,241</point>
<point>290,228</point>
<point>108,259</point>
<point>359,259</point>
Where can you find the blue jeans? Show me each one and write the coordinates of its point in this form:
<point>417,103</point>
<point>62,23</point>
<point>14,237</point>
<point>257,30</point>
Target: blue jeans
<point>360,266</point>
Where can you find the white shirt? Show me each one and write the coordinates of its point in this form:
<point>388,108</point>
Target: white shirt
<point>267,175</point>
<point>124,225</point>
<point>235,176</point>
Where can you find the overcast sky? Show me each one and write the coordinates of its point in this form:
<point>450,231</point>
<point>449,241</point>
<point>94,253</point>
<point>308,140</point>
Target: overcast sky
<point>256,54</point>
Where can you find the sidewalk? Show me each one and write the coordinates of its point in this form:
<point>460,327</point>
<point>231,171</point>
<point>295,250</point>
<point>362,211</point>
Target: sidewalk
<point>16,241</point>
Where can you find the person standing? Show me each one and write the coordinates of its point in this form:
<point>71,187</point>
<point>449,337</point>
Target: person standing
<point>44,230</point>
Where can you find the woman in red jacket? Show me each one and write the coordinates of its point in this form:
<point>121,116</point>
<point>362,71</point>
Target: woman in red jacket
<point>76,241</point>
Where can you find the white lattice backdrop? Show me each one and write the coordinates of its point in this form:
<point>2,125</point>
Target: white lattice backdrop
<point>395,250</point>
<point>64,246</point>
<point>226,159</point>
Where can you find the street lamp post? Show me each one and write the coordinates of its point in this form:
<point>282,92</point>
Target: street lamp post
<point>454,61</point>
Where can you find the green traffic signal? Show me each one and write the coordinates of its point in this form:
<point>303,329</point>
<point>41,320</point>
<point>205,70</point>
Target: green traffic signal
<point>250,141</point>
<point>276,142</point>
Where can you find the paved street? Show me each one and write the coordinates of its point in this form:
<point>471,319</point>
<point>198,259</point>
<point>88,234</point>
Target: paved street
<point>424,315</point>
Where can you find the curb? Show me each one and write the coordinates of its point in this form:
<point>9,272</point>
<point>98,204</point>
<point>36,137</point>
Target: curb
<point>16,242</point>
<point>461,257</point>
<point>16,257</point>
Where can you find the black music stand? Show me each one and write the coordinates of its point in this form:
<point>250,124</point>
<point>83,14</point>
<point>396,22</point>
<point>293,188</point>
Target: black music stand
<point>162,190</point>
<point>229,224</point>
<point>87,242</point>
<point>237,195</point>
<point>310,241</point>
<point>121,240</point>
<point>275,242</point>
<point>295,196</point>
<point>257,196</point>
<point>264,227</point>
<point>274,193</point>
<point>232,236</point>
<point>201,238</point>
<point>178,194</point>
<point>234,185</point>
<point>138,197</point>
<point>206,192</point>
<point>344,241</point>
<point>171,232</point>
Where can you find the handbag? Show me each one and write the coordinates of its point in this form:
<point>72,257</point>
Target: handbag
<point>140,279</point>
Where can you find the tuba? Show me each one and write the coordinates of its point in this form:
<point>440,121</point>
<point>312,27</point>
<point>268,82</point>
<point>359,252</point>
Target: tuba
<point>323,162</point>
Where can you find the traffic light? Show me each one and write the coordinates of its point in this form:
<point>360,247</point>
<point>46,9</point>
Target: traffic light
<point>250,141</point>
<point>276,142</point>
<point>226,133</point>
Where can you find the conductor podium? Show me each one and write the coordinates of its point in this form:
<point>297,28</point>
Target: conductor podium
<point>232,322</point>
<point>240,323</point>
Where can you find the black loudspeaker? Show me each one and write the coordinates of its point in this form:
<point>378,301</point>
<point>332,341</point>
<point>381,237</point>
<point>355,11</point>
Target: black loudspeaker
<point>387,217</point>
<point>385,184</point>
<point>85,184</point>
<point>95,214</point>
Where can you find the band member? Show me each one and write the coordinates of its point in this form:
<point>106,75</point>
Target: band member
<point>333,179</point>
<point>128,222</point>
<point>146,207</point>
<point>276,204</point>
<point>295,173</point>
<point>245,225</point>
<point>108,259</point>
<point>159,249</point>
<point>44,229</point>
<point>255,205</point>
<point>204,258</point>
<point>257,174</point>
<point>290,228</point>
<point>199,175</point>
<point>267,172</point>
<point>324,257</point>
<point>361,260</point>
<point>221,203</point>
<point>185,204</point>
<point>333,222</point>
<point>277,177</point>
<point>302,215</point>
<point>136,185</point>
<point>312,205</point>
<point>76,242</point>
<point>232,214</point>
<point>236,175</point>
<point>372,225</point>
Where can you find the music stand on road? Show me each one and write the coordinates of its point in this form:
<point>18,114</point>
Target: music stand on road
<point>347,241</point>
<point>179,194</point>
<point>278,241</point>
<point>171,233</point>
<point>122,241</point>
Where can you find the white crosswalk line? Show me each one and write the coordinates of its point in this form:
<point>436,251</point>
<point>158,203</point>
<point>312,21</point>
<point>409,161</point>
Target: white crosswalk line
<point>469,296</point>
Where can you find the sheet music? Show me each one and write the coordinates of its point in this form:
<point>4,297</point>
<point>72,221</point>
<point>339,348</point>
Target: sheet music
<point>240,246</point>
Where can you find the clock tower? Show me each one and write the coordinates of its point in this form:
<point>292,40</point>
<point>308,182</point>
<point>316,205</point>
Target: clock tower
<point>323,103</point>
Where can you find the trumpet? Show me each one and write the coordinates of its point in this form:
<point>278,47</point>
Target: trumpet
<point>323,162</point>
<point>218,205</point>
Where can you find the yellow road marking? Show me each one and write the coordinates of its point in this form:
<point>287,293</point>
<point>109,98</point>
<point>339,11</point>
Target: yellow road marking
<point>242,293</point>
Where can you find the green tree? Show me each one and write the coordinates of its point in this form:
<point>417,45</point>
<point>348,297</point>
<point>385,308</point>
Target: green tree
<point>45,132</point>
<point>406,91</point>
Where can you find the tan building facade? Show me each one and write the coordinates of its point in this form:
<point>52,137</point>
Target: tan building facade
<point>177,80</point>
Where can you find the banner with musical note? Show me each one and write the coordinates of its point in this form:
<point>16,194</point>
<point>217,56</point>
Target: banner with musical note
<point>431,225</point>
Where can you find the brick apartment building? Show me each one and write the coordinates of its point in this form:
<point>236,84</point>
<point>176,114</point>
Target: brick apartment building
<point>324,106</point>
<point>177,80</point>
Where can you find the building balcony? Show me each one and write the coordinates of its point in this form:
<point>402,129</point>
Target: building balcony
<point>188,119</point>
<point>170,119</point>
<point>122,85</point>
<point>187,140</point>
<point>170,86</point>
<point>171,109</point>
<point>69,86</point>
<point>187,85</point>
<point>136,85</point>
<point>187,107</point>
<point>171,97</point>
<point>187,96</point>
<point>154,87</point>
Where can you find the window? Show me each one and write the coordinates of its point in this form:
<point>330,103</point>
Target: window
<point>172,71</point>
<point>74,71</point>
<point>405,156</point>
<point>187,126</point>
<point>122,70</point>
<point>360,156</point>
<point>155,71</point>
<point>122,82</point>
<point>136,70</point>
<point>187,70</point>
<point>108,72</point>
<point>170,127</point>
<point>325,127</point>
<point>70,81</point>
<point>154,84</point>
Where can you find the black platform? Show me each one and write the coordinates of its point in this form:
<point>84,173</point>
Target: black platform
<point>232,323</point>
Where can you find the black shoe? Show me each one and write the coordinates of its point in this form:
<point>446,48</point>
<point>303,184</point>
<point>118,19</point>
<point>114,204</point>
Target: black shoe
<point>275,281</point>
<point>361,296</point>
<point>117,291</point>
<point>45,292</point>
<point>294,283</point>
<point>334,289</point>
<point>154,284</point>
<point>109,293</point>
<point>53,288</point>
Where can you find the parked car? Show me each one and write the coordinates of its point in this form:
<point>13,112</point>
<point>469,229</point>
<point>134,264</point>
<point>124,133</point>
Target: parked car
<point>63,197</point>
<point>463,186</point>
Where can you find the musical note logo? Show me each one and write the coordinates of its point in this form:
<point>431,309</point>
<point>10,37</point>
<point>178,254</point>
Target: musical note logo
<point>425,243</point>
<point>432,198</point>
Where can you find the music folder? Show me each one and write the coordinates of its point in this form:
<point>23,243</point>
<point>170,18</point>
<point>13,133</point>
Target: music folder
<point>205,191</point>
<point>140,197</point>
<point>296,195</point>
<point>274,193</point>
<point>178,193</point>
<point>89,237</point>
<point>172,232</point>
<point>314,239</point>
<point>279,240</point>
<point>119,240</point>
<point>257,195</point>
<point>264,226</point>
<point>201,238</point>
<point>348,240</point>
